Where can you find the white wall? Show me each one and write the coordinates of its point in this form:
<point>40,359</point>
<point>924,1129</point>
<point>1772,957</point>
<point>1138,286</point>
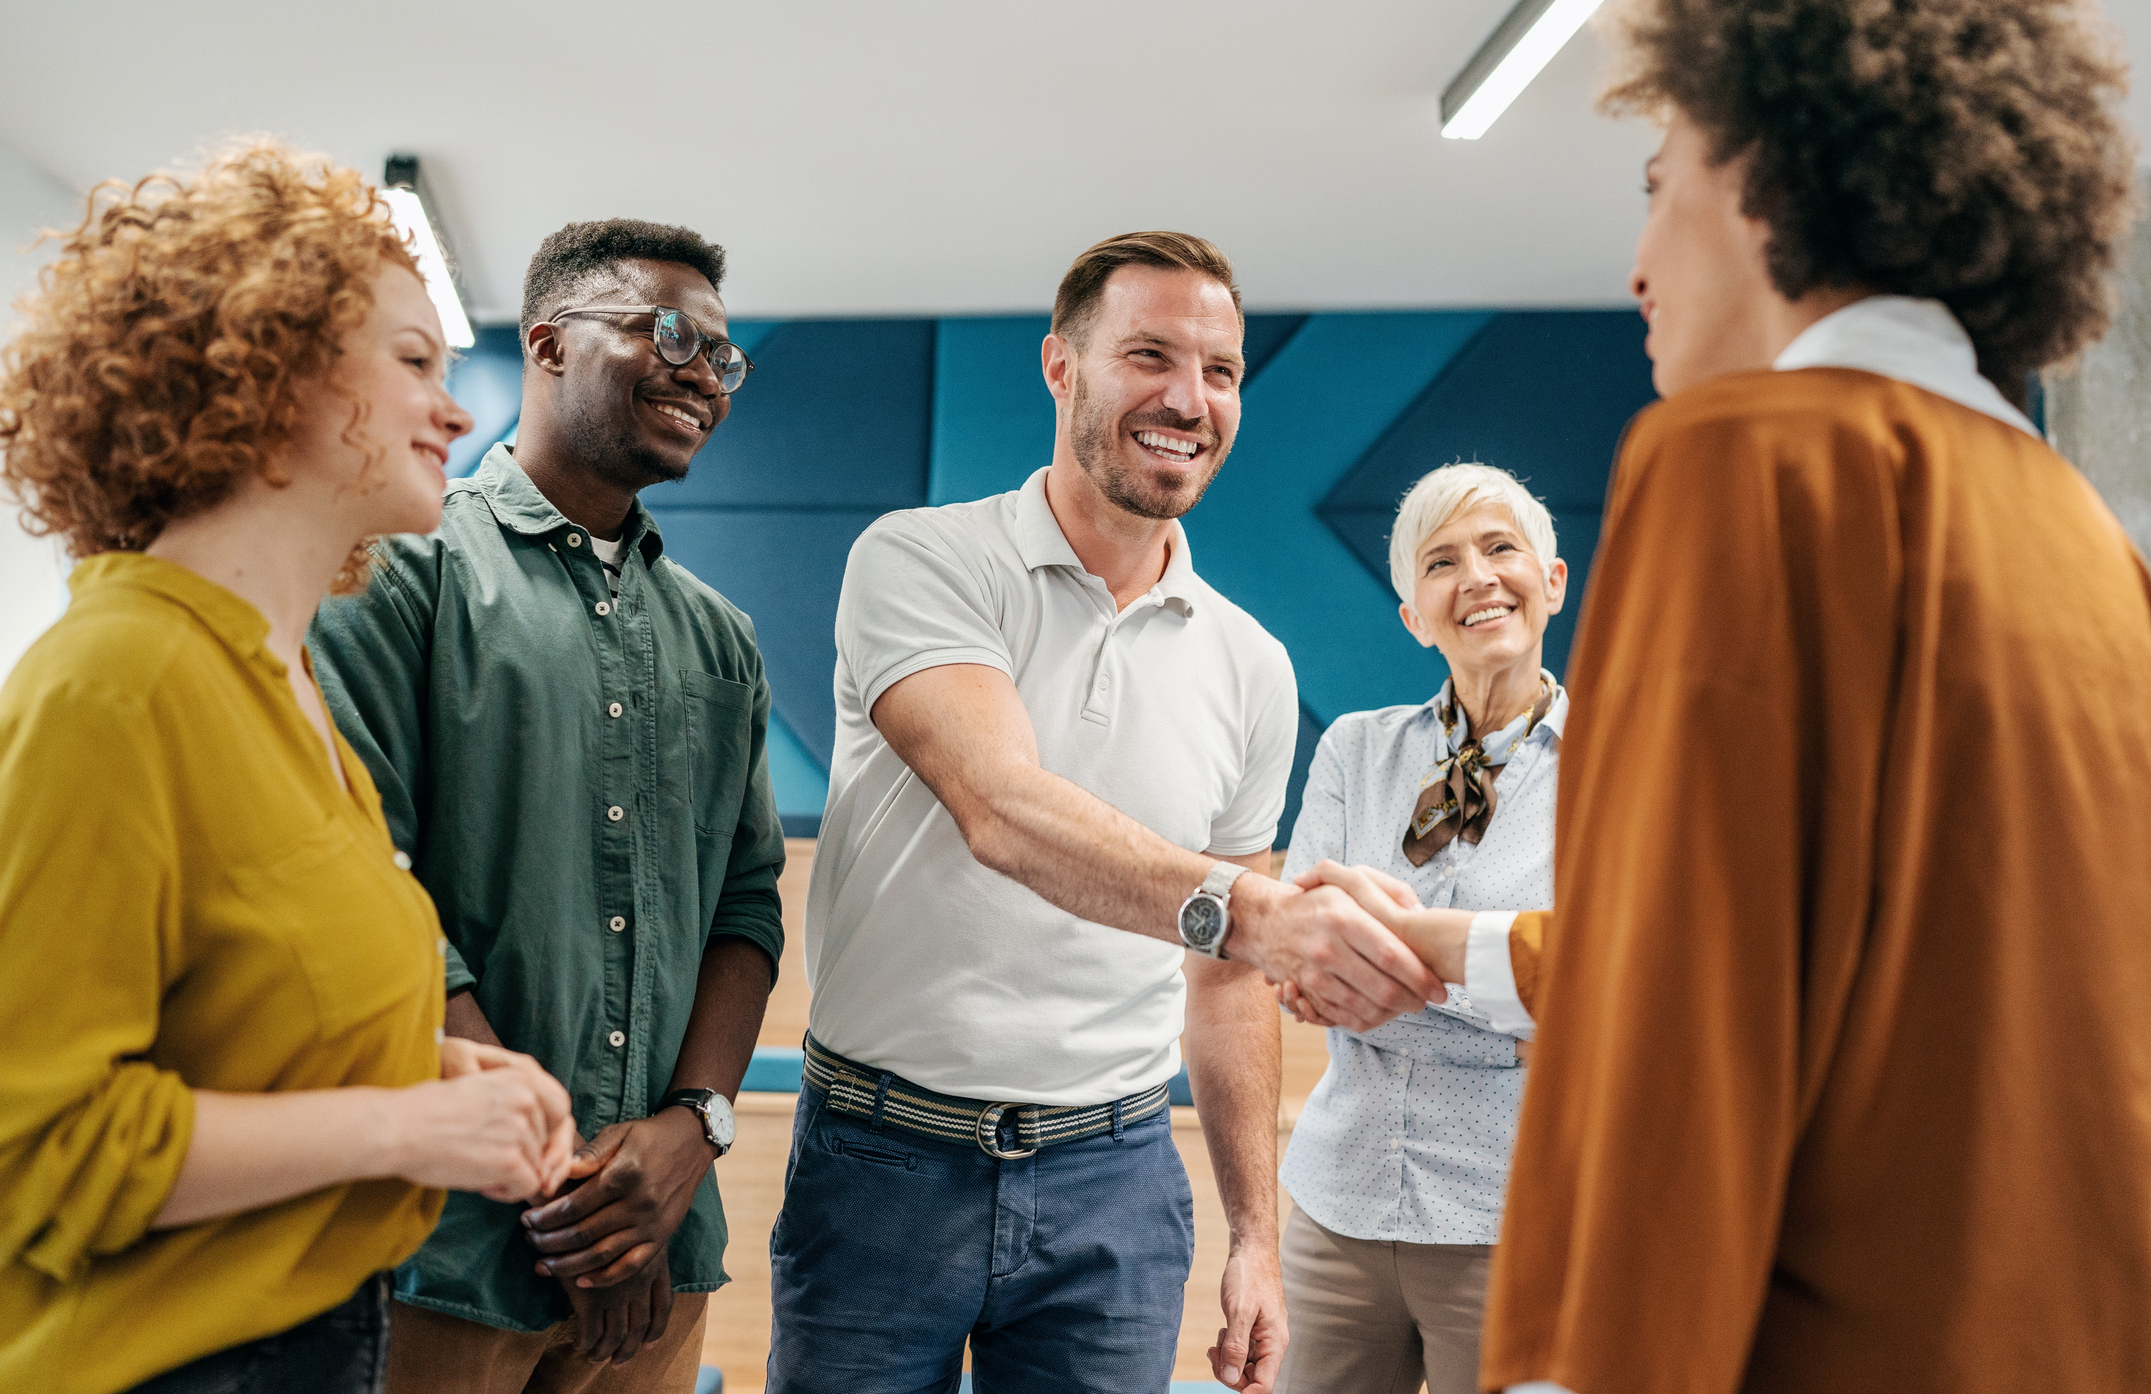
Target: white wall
<point>33,577</point>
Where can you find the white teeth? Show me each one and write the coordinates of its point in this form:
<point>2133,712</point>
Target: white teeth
<point>677,415</point>
<point>1172,445</point>
<point>1491,614</point>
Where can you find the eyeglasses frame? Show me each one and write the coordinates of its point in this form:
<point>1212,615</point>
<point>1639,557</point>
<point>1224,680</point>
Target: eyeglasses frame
<point>657,312</point>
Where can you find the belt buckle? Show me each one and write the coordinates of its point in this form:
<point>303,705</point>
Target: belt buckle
<point>989,1132</point>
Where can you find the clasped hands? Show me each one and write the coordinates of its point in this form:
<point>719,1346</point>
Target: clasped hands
<point>1350,946</point>
<point>605,1239</point>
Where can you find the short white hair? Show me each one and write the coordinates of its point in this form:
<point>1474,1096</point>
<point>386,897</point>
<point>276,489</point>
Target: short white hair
<point>1443,494</point>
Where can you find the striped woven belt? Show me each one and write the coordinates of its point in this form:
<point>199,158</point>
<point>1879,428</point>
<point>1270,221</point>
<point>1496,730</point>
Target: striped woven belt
<point>863,1092</point>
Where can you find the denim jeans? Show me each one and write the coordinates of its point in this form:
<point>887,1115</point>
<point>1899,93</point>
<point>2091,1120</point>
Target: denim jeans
<point>342,1351</point>
<point>1066,1269</point>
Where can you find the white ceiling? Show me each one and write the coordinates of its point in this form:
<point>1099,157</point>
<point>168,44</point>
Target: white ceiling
<point>879,157</point>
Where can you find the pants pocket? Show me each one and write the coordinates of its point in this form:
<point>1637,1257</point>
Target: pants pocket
<point>874,1152</point>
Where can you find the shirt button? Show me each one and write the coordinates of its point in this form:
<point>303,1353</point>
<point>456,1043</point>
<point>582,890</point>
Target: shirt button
<point>1104,683</point>
<point>613,710</point>
<point>616,813</point>
<point>618,1038</point>
<point>575,539</point>
<point>1394,1143</point>
<point>616,923</point>
<point>441,946</point>
<point>402,859</point>
<point>604,608</point>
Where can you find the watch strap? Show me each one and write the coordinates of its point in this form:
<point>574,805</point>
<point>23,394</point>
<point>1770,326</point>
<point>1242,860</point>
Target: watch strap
<point>1222,875</point>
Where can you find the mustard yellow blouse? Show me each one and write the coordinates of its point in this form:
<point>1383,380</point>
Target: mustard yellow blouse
<point>188,899</point>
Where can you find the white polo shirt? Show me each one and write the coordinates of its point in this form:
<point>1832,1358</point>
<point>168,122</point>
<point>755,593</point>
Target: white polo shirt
<point>1180,711</point>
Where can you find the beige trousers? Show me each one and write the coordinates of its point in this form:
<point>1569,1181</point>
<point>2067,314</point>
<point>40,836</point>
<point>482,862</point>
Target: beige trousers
<point>1370,1317</point>
<point>430,1352</point>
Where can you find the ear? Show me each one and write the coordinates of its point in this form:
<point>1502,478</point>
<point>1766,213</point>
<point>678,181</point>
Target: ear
<point>542,347</point>
<point>1556,586</point>
<point>1057,359</point>
<point>1416,625</point>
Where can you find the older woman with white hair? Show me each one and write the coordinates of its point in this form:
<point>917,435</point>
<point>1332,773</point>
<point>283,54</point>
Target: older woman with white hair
<point>1399,1162</point>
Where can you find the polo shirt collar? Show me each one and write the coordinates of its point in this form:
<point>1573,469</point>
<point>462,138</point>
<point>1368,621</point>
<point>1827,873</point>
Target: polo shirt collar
<point>244,629</point>
<point>521,507</point>
<point>1040,542</point>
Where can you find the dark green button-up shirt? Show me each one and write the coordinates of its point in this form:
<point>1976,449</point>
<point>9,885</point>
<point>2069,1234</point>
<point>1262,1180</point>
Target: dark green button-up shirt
<point>581,782</point>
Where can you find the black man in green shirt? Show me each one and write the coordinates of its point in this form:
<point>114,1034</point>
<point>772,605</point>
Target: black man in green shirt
<point>567,729</point>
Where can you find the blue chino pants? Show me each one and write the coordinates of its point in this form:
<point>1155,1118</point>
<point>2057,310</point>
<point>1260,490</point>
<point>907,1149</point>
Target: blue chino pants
<point>1065,1270</point>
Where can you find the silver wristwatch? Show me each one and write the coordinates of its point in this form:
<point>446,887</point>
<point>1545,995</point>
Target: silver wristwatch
<point>1205,917</point>
<point>713,1108</point>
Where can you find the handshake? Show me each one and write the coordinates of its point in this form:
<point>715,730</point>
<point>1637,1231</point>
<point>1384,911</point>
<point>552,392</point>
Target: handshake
<point>1347,945</point>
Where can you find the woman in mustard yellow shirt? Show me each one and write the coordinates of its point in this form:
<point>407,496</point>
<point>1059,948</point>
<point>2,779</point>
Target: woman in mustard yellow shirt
<point>225,1104</point>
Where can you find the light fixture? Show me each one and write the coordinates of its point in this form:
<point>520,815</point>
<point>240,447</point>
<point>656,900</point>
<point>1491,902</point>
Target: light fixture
<point>1524,43</point>
<point>411,207</point>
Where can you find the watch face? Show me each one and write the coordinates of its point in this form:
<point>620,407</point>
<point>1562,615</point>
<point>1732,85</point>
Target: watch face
<point>1202,920</point>
<point>721,1125</point>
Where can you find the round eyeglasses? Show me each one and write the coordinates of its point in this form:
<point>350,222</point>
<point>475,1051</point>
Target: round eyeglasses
<point>679,339</point>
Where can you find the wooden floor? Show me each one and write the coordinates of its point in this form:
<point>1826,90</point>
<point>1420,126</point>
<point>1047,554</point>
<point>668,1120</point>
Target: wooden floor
<point>752,1177</point>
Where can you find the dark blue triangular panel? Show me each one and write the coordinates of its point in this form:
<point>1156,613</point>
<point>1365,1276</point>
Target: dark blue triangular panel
<point>1545,394</point>
<point>837,414</point>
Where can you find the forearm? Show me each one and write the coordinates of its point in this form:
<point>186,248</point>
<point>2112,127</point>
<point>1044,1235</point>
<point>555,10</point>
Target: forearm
<point>1080,853</point>
<point>248,1151</point>
<point>1438,937</point>
<point>731,995</point>
<point>466,1019</point>
<point>1234,1056</point>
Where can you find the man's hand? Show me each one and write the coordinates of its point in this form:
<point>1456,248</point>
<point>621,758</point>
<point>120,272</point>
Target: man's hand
<point>615,1323</point>
<point>1350,967</point>
<point>1252,1343</point>
<point>640,1179</point>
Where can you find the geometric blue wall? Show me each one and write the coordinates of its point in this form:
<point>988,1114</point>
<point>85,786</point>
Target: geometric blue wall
<point>845,420</point>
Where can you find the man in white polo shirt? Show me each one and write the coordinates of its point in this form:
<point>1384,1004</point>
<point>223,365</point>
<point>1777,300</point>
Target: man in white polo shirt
<point>1057,752</point>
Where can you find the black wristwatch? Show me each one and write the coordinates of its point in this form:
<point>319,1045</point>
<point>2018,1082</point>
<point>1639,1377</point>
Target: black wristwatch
<point>712,1108</point>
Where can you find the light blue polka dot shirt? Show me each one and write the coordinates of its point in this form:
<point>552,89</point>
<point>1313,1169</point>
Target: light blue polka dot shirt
<point>1407,1136</point>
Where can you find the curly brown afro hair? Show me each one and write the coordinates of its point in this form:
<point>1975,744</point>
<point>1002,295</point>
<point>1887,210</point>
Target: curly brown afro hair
<point>1965,150</point>
<point>163,352</point>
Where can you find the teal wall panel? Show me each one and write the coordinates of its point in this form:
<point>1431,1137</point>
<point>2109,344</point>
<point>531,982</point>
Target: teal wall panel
<point>993,418</point>
<point>1321,404</point>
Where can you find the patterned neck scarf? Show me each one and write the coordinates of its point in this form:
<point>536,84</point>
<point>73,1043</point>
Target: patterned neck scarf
<point>1457,798</point>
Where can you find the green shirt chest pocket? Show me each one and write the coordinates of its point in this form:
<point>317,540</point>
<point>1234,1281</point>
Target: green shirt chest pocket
<point>720,738</point>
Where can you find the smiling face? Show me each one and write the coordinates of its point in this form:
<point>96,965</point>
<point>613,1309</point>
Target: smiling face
<point>1152,400</point>
<point>1700,267</point>
<point>622,409</point>
<point>1482,597</point>
<point>388,469</point>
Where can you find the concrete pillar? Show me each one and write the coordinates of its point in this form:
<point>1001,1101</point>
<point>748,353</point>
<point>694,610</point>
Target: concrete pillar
<point>2099,413</point>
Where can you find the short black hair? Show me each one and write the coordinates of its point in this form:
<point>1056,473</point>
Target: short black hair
<point>583,252</point>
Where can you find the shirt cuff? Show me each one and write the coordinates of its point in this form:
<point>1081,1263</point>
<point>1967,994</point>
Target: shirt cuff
<point>1490,977</point>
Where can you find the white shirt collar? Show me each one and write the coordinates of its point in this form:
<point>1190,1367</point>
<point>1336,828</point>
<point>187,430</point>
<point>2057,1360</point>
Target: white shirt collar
<point>1040,542</point>
<point>1911,340</point>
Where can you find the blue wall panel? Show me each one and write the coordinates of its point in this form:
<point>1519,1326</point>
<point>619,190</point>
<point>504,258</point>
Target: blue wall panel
<point>993,418</point>
<point>836,416</point>
<point>847,419</point>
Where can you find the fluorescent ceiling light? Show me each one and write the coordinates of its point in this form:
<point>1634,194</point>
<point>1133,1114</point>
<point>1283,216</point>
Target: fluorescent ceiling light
<point>410,210</point>
<point>1503,67</point>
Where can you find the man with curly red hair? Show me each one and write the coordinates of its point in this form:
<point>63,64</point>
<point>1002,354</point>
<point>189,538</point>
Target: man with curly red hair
<point>1843,1077</point>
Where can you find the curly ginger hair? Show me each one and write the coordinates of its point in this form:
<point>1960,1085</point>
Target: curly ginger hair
<point>1970,151</point>
<point>163,351</point>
